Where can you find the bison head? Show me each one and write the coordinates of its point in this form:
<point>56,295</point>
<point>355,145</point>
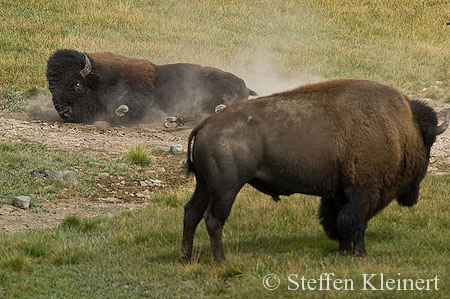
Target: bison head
<point>73,81</point>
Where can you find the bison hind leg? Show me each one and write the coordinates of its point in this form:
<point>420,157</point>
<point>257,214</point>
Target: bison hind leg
<point>215,216</point>
<point>193,213</point>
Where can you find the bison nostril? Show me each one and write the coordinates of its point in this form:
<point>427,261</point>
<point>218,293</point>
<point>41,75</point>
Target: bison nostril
<point>66,112</point>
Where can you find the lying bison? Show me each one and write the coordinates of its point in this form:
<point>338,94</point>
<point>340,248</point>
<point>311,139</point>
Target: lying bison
<point>357,144</point>
<point>122,90</point>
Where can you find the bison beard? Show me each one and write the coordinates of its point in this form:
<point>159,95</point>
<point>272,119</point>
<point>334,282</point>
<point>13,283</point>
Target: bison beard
<point>124,91</point>
<point>357,144</point>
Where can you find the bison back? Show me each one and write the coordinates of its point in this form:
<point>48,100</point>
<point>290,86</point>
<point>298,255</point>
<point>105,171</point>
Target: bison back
<point>316,139</point>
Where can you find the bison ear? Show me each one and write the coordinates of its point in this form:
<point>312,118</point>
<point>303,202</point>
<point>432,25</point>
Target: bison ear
<point>93,80</point>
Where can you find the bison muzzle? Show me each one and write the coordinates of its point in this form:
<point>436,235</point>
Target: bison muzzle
<point>356,144</point>
<point>88,87</point>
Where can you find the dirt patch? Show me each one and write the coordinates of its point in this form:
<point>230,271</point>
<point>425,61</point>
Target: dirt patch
<point>98,140</point>
<point>111,142</point>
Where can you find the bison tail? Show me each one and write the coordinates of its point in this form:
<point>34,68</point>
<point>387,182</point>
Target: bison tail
<point>189,163</point>
<point>190,167</point>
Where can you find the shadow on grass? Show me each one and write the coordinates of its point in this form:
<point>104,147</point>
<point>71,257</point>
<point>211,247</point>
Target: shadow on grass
<point>318,245</point>
<point>302,245</point>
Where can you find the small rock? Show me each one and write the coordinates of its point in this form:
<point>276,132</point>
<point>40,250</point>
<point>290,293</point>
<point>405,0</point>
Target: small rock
<point>176,149</point>
<point>38,173</point>
<point>143,184</point>
<point>155,182</point>
<point>22,202</point>
<point>65,176</point>
<point>142,195</point>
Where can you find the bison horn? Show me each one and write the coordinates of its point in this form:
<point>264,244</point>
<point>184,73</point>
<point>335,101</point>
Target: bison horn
<point>87,67</point>
<point>440,129</point>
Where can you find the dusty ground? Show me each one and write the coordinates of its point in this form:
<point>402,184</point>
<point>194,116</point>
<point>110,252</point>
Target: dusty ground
<point>96,140</point>
<point>105,141</point>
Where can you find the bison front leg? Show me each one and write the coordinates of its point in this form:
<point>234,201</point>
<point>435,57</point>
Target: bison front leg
<point>328,213</point>
<point>359,248</point>
<point>193,213</point>
<point>353,217</point>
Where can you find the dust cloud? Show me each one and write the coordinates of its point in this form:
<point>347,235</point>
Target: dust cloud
<point>41,107</point>
<point>260,69</point>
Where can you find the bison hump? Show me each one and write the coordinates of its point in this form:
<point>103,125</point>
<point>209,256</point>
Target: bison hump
<point>117,68</point>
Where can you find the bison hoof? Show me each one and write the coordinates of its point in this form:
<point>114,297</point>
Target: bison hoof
<point>219,107</point>
<point>174,122</point>
<point>360,253</point>
<point>184,257</point>
<point>122,110</point>
<point>219,260</point>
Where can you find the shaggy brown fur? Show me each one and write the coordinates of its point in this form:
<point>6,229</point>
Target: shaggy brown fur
<point>126,70</point>
<point>357,144</point>
<point>90,87</point>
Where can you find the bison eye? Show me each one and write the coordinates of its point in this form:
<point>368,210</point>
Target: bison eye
<point>78,87</point>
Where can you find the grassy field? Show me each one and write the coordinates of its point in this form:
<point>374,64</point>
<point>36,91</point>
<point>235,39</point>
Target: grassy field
<point>272,45</point>
<point>402,43</point>
<point>135,254</point>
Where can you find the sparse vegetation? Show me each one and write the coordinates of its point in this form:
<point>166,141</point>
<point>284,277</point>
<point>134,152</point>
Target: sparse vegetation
<point>402,43</point>
<point>19,161</point>
<point>138,155</point>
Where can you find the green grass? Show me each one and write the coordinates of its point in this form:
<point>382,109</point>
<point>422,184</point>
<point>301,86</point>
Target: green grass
<point>135,254</point>
<point>18,161</point>
<point>271,45</point>
<point>138,155</point>
<point>402,43</point>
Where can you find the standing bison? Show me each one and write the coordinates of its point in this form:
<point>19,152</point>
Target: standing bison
<point>357,144</point>
<point>123,90</point>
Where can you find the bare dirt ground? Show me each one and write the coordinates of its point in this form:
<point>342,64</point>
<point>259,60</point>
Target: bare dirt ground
<point>111,142</point>
<point>96,140</point>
